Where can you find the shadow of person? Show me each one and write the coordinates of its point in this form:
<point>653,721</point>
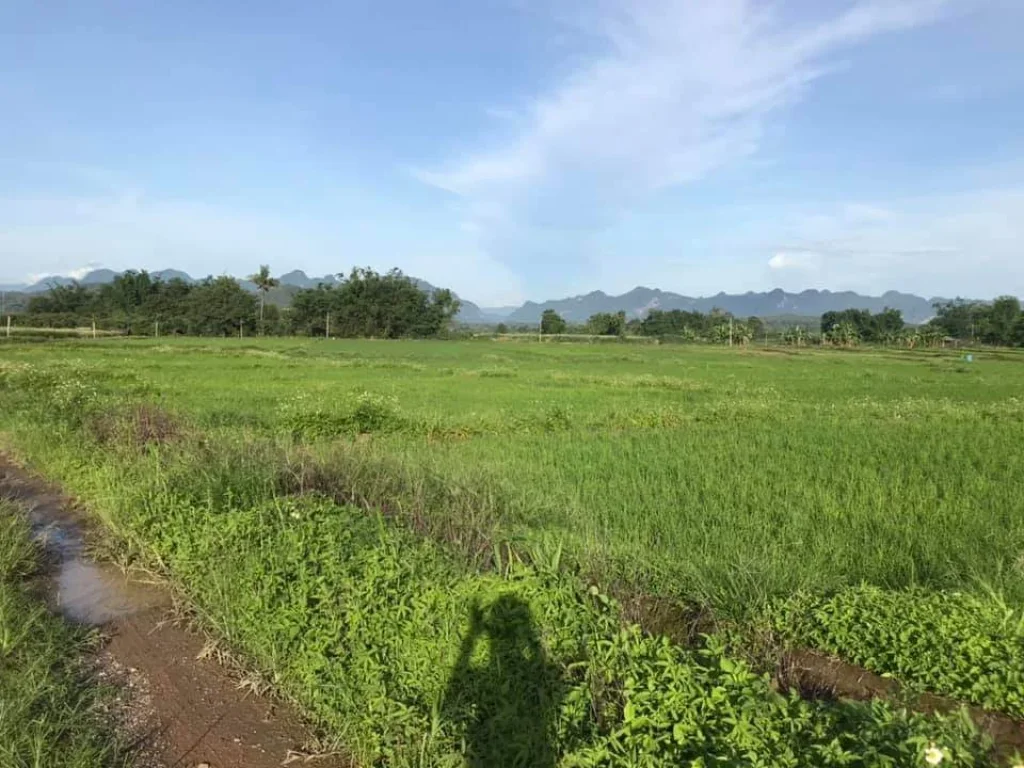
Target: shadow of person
<point>505,704</point>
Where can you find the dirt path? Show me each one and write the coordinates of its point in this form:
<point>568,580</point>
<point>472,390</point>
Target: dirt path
<point>183,709</point>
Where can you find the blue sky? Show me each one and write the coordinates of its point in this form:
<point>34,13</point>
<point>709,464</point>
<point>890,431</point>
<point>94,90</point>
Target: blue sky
<point>516,149</point>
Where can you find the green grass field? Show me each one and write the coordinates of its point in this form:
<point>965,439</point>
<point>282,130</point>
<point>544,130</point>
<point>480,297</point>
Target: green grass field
<point>868,503</point>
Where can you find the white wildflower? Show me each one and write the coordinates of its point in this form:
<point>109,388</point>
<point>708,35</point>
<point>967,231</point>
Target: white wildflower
<point>933,755</point>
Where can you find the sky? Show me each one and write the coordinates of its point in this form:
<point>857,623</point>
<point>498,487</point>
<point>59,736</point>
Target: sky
<point>520,149</point>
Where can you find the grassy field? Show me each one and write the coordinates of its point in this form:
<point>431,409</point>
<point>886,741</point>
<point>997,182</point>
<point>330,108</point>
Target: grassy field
<point>867,503</point>
<point>48,708</point>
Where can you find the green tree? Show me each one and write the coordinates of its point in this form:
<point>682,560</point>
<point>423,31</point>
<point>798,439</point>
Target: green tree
<point>1018,332</point>
<point>607,324</point>
<point>264,282</point>
<point>369,304</point>
<point>959,318</point>
<point>887,324</point>
<point>502,329</point>
<point>310,308</point>
<point>552,323</point>
<point>677,322</point>
<point>1001,320</point>
<point>220,307</point>
<point>74,298</point>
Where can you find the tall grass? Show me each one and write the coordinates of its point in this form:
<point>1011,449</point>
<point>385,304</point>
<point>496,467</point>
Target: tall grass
<point>728,478</point>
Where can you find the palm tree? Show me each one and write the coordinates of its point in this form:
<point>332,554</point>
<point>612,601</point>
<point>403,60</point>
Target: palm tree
<point>264,282</point>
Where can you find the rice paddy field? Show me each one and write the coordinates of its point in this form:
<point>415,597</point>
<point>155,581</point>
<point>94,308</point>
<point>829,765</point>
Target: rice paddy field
<point>514,553</point>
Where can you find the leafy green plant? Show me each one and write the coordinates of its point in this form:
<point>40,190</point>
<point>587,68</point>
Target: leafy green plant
<point>373,412</point>
<point>965,646</point>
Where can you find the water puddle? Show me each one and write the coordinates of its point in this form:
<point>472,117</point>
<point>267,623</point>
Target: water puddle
<point>80,589</point>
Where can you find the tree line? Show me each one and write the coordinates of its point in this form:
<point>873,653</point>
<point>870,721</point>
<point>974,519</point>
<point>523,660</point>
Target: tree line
<point>1000,322</point>
<point>390,305</point>
<point>365,303</point>
<point>997,323</point>
<point>675,325</point>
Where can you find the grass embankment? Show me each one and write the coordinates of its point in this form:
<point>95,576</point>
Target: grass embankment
<point>691,477</point>
<point>48,708</point>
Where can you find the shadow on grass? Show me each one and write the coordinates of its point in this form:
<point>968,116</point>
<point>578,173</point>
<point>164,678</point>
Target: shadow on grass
<point>504,701</point>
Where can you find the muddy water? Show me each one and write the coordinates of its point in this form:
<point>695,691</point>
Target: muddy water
<point>79,588</point>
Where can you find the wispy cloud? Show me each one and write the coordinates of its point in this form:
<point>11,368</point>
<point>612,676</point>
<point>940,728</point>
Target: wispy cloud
<point>681,89</point>
<point>966,244</point>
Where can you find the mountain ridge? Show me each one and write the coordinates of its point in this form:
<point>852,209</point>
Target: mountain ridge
<point>576,309</point>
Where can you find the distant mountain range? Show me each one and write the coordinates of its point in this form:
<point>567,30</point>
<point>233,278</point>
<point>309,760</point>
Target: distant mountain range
<point>636,303</point>
<point>811,303</point>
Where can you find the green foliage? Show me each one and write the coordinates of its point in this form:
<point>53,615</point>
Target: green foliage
<point>1002,317</point>
<point>374,413</point>
<point>676,322</point>
<point>999,322</point>
<point>136,303</point>
<point>365,304</point>
<point>221,307</point>
<point>552,323</point>
<point>607,324</point>
<point>411,659</point>
<point>726,478</point>
<point>369,304</point>
<point>48,710</point>
<point>716,326</point>
<point>312,418</point>
<point>846,327</point>
<point>730,480</point>
<point>960,645</point>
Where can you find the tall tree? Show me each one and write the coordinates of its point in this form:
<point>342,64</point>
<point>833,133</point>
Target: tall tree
<point>264,282</point>
<point>1002,317</point>
<point>219,307</point>
<point>552,323</point>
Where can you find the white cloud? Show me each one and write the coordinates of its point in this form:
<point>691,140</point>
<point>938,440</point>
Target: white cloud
<point>963,244</point>
<point>794,260</point>
<point>681,89</point>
